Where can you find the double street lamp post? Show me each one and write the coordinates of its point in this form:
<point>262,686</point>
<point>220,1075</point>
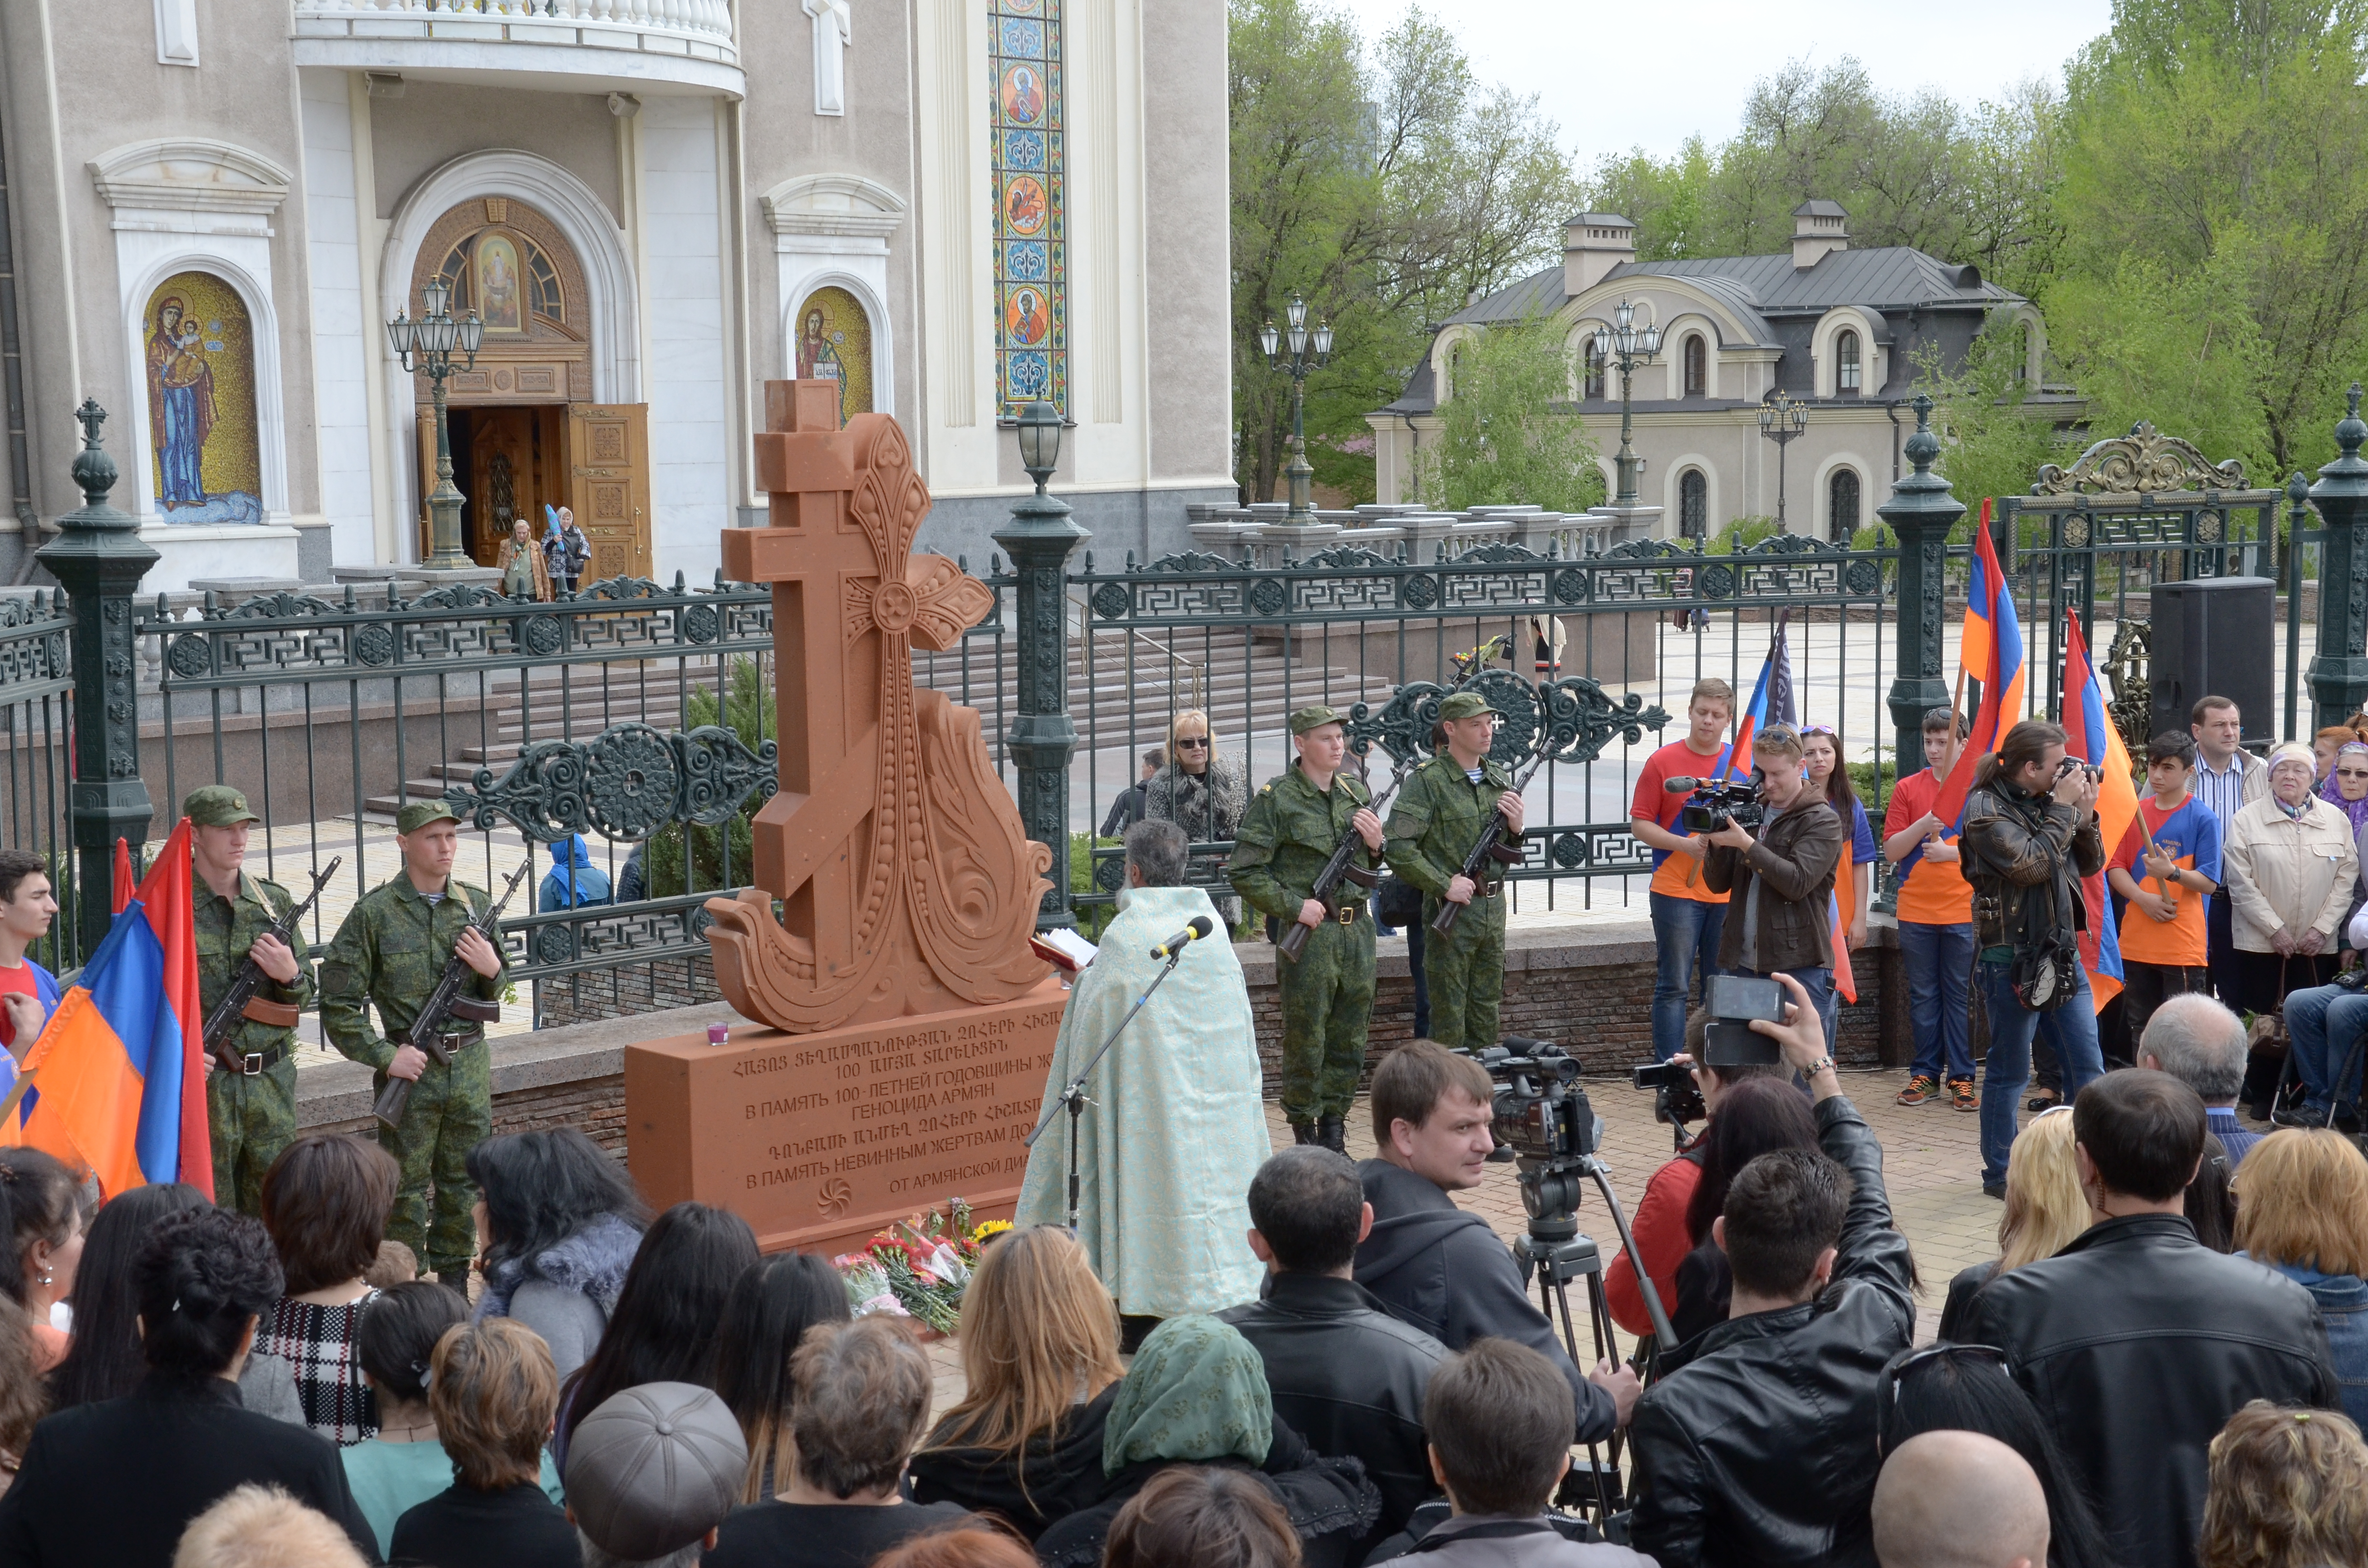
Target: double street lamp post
<point>1309,349</point>
<point>1782,421</point>
<point>1627,346</point>
<point>428,344</point>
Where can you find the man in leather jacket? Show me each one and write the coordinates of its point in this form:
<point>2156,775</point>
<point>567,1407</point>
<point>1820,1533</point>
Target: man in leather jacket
<point>2031,836</point>
<point>1345,1375</point>
<point>1756,1445</point>
<point>2137,1342</point>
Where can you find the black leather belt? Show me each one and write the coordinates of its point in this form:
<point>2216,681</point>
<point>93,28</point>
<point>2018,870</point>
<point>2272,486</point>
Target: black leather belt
<point>1348,914</point>
<point>451,1043</point>
<point>253,1063</point>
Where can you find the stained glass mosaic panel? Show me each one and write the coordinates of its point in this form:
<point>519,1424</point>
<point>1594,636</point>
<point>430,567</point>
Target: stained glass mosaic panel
<point>1031,252</point>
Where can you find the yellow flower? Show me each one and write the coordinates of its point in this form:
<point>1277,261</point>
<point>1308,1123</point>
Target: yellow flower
<point>992,1228</point>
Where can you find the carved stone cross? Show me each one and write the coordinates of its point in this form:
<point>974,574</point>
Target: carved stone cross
<point>907,883</point>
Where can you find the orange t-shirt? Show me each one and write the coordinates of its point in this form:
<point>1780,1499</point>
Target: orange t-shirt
<point>1931,892</point>
<point>1654,804</point>
<point>2190,833</point>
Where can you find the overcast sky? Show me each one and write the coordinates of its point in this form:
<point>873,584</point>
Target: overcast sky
<point>1687,65</point>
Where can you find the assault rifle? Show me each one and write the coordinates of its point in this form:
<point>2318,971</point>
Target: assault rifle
<point>1341,867</point>
<point>446,1001</point>
<point>1490,845</point>
<point>235,1004</point>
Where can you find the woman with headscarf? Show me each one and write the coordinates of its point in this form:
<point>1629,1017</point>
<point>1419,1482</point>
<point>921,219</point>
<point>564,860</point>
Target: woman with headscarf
<point>1197,1395</point>
<point>572,881</point>
<point>1199,791</point>
<point>2291,864</point>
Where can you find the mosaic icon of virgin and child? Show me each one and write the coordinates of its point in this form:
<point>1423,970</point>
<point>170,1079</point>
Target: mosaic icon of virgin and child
<point>183,417</point>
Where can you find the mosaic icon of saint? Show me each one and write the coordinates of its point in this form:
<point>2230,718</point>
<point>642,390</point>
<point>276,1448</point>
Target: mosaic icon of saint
<point>1023,207</point>
<point>1027,322</point>
<point>1023,98</point>
<point>818,360</point>
<point>180,405</point>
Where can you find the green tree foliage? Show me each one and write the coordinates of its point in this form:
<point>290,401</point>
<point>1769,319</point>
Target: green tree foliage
<point>1387,187</point>
<point>1915,170</point>
<point>1992,442</point>
<point>2214,200</point>
<point>1510,434</point>
<point>748,709</point>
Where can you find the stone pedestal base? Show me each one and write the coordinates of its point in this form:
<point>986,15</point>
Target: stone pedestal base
<point>820,1140</point>
<point>1630,522</point>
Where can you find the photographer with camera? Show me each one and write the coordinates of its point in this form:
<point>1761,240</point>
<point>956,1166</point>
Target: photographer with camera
<point>1686,1092</point>
<point>1752,1446</point>
<point>1780,882</point>
<point>1441,1268</point>
<point>2031,836</point>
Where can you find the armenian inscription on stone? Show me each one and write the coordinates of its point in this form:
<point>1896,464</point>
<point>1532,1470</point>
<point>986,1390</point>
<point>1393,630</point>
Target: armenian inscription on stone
<point>903,1025</point>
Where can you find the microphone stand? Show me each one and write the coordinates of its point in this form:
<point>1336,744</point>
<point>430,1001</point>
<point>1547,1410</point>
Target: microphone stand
<point>1073,1097</point>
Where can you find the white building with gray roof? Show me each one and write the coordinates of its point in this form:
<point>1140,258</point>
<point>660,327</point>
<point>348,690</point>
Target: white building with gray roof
<point>1832,328</point>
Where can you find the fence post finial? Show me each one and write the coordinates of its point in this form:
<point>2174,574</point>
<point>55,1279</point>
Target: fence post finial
<point>2338,675</point>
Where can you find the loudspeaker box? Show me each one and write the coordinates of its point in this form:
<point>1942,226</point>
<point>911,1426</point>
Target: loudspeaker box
<point>2214,635</point>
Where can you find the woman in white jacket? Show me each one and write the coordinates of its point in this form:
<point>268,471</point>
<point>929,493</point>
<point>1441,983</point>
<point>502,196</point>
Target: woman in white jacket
<point>2290,865</point>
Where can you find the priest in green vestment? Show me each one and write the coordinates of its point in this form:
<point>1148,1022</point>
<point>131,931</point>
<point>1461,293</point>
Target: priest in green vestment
<point>1176,1127</point>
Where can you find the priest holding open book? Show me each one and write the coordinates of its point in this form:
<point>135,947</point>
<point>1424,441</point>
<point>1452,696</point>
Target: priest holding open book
<point>1174,1127</point>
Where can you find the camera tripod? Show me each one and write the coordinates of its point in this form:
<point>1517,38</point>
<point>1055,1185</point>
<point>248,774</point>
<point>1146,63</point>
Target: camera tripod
<point>1554,1253</point>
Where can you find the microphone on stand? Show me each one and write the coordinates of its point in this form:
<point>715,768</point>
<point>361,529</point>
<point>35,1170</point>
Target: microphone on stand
<point>1200,927</point>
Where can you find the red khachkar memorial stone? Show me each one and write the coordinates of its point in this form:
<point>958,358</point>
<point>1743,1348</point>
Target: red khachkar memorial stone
<point>905,1026</point>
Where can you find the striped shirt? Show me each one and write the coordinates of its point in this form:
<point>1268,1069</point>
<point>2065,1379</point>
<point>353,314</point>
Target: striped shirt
<point>2222,791</point>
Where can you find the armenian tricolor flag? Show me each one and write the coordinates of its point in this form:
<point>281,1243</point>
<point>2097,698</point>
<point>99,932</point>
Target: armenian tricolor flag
<point>2090,735</point>
<point>1758,713</point>
<point>1991,652</point>
<point>119,1067</point>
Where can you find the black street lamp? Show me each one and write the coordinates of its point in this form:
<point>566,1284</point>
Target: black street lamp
<point>428,344</point>
<point>1041,736</point>
<point>1626,345</point>
<point>1310,350</point>
<point>1782,421</point>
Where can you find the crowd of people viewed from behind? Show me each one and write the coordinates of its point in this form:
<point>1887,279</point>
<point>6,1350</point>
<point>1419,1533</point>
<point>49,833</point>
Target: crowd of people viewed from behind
<point>2165,1366</point>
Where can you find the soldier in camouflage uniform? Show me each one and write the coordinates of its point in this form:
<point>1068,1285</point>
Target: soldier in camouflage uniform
<point>1434,823</point>
<point>390,952</point>
<point>1286,836</point>
<point>251,1080</point>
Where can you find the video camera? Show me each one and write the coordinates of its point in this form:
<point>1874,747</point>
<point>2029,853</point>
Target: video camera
<point>1730,1041</point>
<point>1677,1098</point>
<point>1712,803</point>
<point>1543,1115</point>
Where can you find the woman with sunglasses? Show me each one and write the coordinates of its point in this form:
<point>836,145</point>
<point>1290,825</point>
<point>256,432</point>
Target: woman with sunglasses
<point>1199,791</point>
<point>1821,754</point>
<point>1965,1388</point>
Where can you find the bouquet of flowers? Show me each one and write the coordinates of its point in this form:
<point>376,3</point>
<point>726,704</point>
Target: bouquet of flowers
<point>918,1267</point>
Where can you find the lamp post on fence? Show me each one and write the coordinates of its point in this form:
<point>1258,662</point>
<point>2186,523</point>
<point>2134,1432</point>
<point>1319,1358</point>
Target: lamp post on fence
<point>2338,676</point>
<point>1042,737</point>
<point>1782,421</point>
<point>1626,345</point>
<point>99,560</point>
<point>1311,349</point>
<point>428,344</point>
<point>1921,511</point>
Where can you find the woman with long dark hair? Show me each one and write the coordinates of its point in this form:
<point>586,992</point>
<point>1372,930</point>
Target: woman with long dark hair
<point>765,1319</point>
<point>558,1222</point>
<point>40,1222</point>
<point>666,1326</point>
<point>1821,754</point>
<point>1965,1388</point>
<point>1755,1117</point>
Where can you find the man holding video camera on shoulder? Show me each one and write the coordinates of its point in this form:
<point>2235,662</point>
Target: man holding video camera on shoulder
<point>2031,836</point>
<point>1754,1446</point>
<point>1780,882</point>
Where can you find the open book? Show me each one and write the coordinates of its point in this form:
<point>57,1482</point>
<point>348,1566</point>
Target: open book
<point>1062,947</point>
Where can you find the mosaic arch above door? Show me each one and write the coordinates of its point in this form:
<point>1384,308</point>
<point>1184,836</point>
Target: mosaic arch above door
<point>510,263</point>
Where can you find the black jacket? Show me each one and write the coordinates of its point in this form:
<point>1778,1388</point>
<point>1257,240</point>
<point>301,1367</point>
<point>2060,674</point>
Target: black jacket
<point>1330,1503</point>
<point>117,1482</point>
<point>1420,1240</point>
<point>1348,1378</point>
<point>1756,1446</point>
<point>1050,1479</point>
<point>1793,859</point>
<point>2137,1343</point>
<point>2019,845</point>
<point>1967,1284</point>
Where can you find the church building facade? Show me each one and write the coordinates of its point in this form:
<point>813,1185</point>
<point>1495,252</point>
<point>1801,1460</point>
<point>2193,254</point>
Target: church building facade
<point>950,208</point>
<point>1834,329</point>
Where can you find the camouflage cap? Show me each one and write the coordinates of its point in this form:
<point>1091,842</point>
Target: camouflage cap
<point>217,805</point>
<point>1465,705</point>
<point>1315,716</point>
<point>419,813</point>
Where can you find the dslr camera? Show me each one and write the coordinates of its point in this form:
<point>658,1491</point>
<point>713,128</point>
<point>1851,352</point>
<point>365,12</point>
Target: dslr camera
<point>1713,803</point>
<point>1729,1041</point>
<point>1677,1098</point>
<point>1544,1118</point>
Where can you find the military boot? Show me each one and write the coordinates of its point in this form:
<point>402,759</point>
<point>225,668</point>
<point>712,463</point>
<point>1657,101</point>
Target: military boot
<point>1333,1134</point>
<point>1303,1132</point>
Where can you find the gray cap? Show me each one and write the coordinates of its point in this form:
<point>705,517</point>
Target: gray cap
<point>654,1469</point>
